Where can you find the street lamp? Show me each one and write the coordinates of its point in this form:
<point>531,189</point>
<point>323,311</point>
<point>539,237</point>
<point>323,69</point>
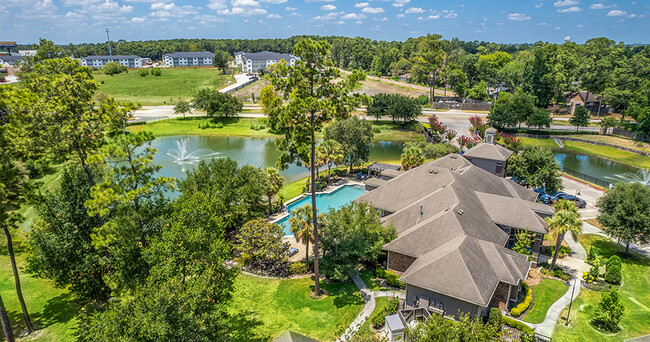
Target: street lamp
<point>432,87</point>
<point>575,283</point>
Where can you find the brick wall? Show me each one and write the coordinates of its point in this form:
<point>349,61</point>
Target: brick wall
<point>399,262</point>
<point>500,296</point>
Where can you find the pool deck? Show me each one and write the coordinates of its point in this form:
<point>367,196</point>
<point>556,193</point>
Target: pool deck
<point>329,189</point>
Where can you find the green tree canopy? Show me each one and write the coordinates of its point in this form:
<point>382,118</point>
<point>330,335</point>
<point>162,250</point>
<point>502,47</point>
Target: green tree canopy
<point>535,167</point>
<point>580,117</point>
<point>439,328</point>
<point>260,247</point>
<point>355,136</point>
<point>625,213</point>
<point>216,104</point>
<point>351,235</point>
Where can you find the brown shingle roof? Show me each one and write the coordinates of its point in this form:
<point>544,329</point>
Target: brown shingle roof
<point>445,213</point>
<point>467,268</point>
<point>489,151</point>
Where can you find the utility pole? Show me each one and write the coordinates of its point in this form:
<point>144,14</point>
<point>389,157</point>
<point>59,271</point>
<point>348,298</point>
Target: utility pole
<point>109,42</point>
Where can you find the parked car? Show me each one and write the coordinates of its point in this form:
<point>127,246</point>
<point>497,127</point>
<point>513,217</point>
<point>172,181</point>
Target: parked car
<point>579,202</point>
<point>546,197</point>
<point>293,251</point>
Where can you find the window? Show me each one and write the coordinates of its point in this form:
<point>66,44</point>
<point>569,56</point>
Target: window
<point>499,167</point>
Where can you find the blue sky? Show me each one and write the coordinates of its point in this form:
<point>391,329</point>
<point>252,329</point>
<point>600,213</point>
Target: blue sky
<point>508,21</point>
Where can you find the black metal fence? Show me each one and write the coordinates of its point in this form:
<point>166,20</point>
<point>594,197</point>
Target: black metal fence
<point>586,177</point>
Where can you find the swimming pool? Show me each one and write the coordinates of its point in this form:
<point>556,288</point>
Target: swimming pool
<point>324,202</point>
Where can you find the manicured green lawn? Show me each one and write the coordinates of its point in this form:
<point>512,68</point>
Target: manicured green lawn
<point>545,294</point>
<point>395,132</point>
<point>190,126</point>
<point>539,142</point>
<point>282,305</point>
<point>610,153</point>
<point>53,311</point>
<point>368,277</point>
<point>292,190</point>
<point>169,87</point>
<point>364,332</point>
<point>634,294</point>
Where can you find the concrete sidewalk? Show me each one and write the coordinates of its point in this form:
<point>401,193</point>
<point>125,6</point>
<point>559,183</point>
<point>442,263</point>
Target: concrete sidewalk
<point>365,312</point>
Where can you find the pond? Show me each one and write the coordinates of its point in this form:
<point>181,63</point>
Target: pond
<point>599,170</point>
<point>177,154</point>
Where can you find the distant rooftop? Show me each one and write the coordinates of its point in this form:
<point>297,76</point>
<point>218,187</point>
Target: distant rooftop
<point>266,55</point>
<point>489,151</point>
<point>111,57</point>
<point>195,54</point>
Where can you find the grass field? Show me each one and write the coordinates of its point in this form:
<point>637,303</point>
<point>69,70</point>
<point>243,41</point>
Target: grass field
<point>616,140</point>
<point>190,126</point>
<point>282,305</point>
<point>634,294</point>
<point>169,87</point>
<point>620,156</point>
<point>53,311</point>
<point>389,131</point>
<point>549,143</point>
<point>545,294</point>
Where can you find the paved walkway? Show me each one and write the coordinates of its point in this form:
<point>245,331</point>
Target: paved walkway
<point>369,297</point>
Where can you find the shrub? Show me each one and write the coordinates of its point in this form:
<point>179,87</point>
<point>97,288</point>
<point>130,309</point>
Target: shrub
<point>609,311</point>
<point>564,251</point>
<point>392,279</point>
<point>298,268</point>
<point>113,68</point>
<point>156,72</point>
<point>423,100</point>
<point>3,78</point>
<point>521,307</point>
<point>613,271</point>
<point>379,319</point>
<point>558,273</point>
<point>591,255</point>
<point>517,325</point>
<point>376,130</point>
<point>594,271</point>
<point>143,72</point>
<point>495,318</point>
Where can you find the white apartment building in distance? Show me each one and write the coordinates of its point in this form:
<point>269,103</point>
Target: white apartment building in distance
<point>261,61</point>
<point>187,59</point>
<point>130,61</point>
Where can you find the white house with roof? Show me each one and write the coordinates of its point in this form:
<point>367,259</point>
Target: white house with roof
<point>129,61</point>
<point>188,59</point>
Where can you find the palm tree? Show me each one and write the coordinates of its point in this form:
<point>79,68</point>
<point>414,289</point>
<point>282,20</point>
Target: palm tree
<point>274,182</point>
<point>567,205</point>
<point>562,222</point>
<point>330,153</point>
<point>301,226</point>
<point>412,156</point>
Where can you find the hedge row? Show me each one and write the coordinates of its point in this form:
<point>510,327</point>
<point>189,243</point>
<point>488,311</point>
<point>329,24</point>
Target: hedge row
<point>519,309</point>
<point>517,325</point>
<point>392,279</point>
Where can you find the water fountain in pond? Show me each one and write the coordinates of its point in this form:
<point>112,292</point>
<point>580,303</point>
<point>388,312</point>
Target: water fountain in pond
<point>642,176</point>
<point>183,157</point>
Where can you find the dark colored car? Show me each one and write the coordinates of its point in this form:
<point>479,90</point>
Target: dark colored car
<point>579,202</point>
<point>547,198</point>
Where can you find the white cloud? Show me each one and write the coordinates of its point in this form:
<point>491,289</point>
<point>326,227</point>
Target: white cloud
<point>380,19</point>
<point>539,5</point>
<point>401,15</point>
<point>358,22</point>
<point>217,4</point>
<point>274,16</point>
<point>163,10</point>
<point>328,16</point>
<point>328,7</point>
<point>361,4</point>
<point>400,3</point>
<point>162,5</point>
<point>580,26</point>
<point>600,6</point>
<point>138,20</point>
<point>414,10</point>
<point>616,13</point>
<point>564,3</point>
<point>451,15</point>
<point>275,2</point>
<point>291,8</point>
<point>243,11</point>
<point>573,9</point>
<point>431,17</point>
<point>372,10</point>
<point>353,16</point>
<point>518,16</point>
<point>245,3</point>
